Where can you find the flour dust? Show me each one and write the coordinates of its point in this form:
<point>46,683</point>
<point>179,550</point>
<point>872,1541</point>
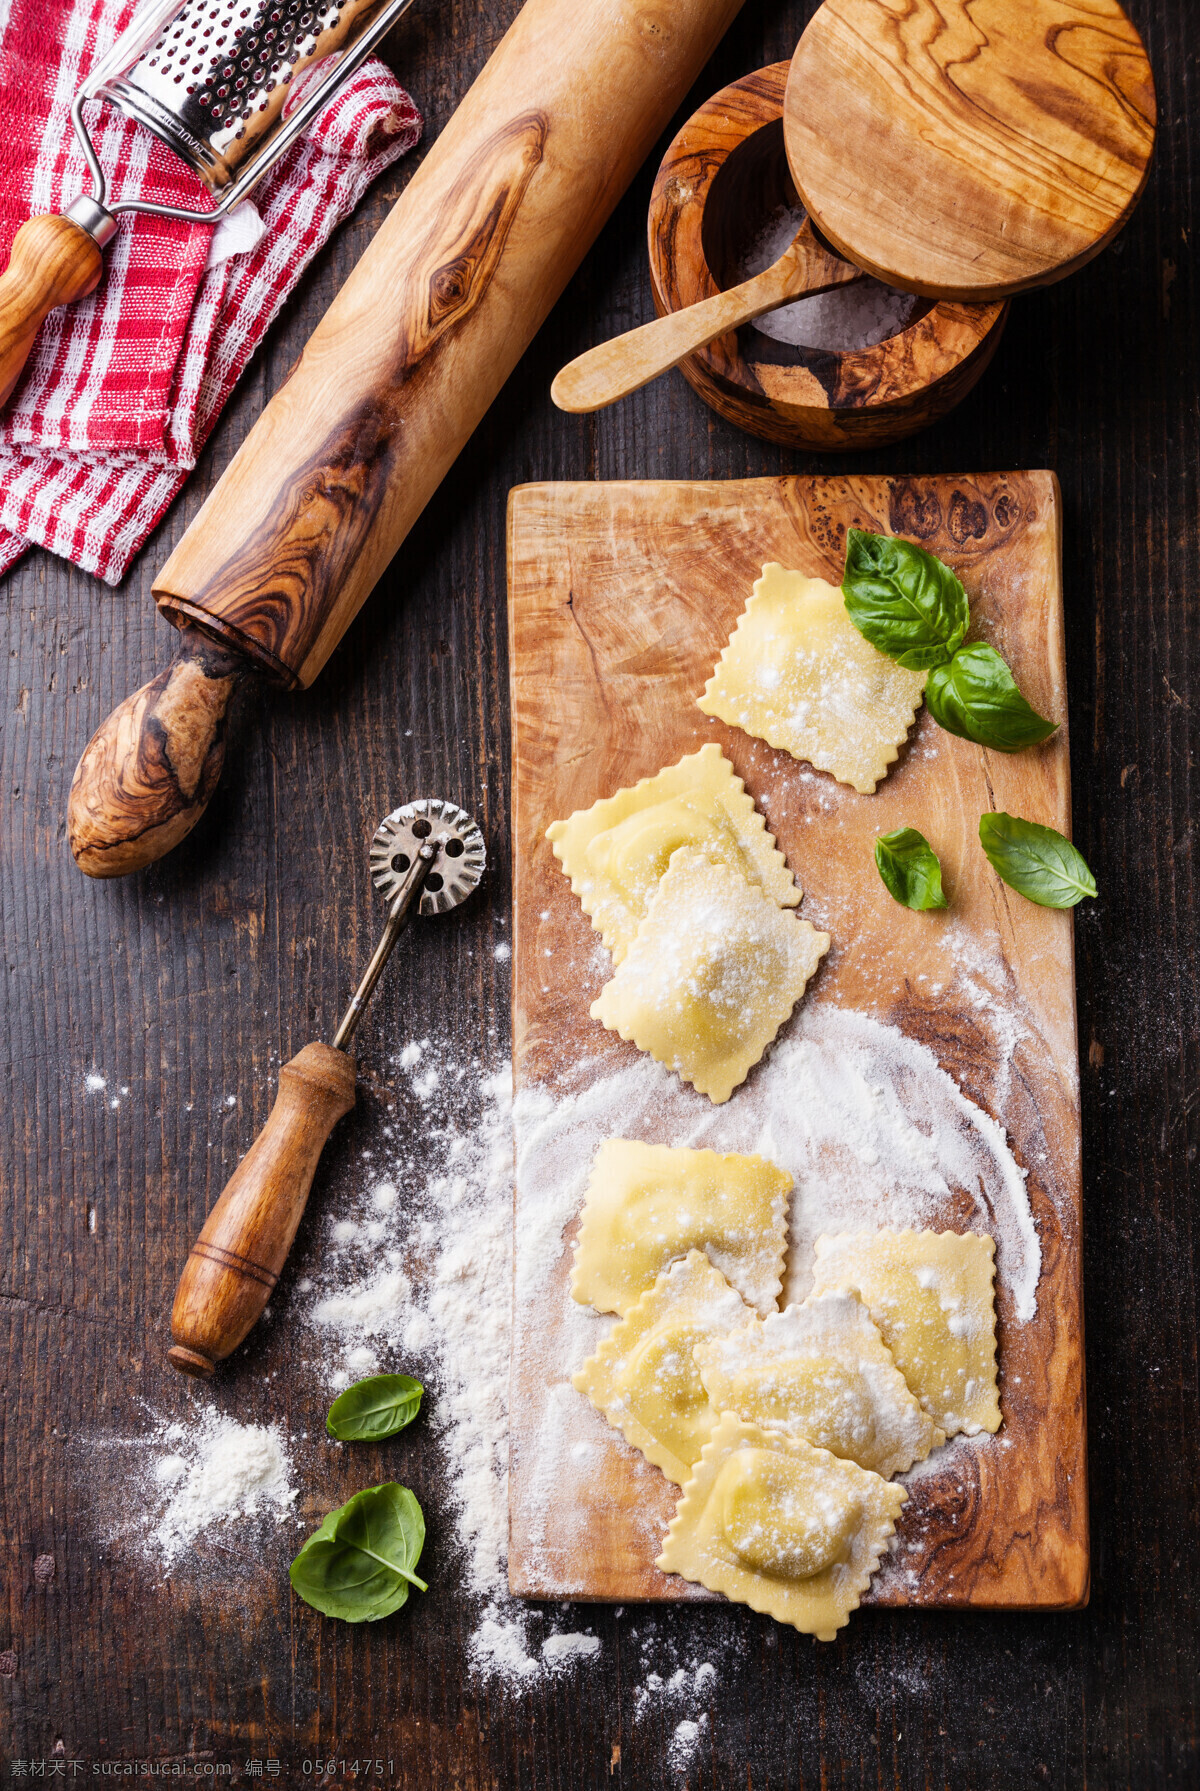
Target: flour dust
<point>417,1276</point>
<point>186,1482</point>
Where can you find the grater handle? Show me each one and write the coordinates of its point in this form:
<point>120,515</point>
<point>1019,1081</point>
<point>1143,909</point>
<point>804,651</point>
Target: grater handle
<point>235,1262</point>
<point>53,262</point>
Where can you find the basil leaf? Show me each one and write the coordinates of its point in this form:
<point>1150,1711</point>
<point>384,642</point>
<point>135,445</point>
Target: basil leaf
<point>1035,860</point>
<point>359,1565</point>
<point>375,1408</point>
<point>909,867</point>
<point>976,697</point>
<point>903,600</point>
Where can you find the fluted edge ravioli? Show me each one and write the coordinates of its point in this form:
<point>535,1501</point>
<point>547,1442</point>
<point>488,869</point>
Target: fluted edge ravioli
<point>715,969</point>
<point>648,1204</point>
<point>616,851</point>
<point>797,1537</point>
<point>644,1377</point>
<point>822,1371</point>
<point>931,1293</point>
<point>798,674</point>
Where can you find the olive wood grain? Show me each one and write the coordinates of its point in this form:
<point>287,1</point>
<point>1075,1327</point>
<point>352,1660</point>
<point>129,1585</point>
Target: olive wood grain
<point>53,262</point>
<point>235,1262</point>
<point>621,598</point>
<point>970,149</point>
<point>423,335</point>
<point>147,773</point>
<point>723,177</point>
<point>625,364</point>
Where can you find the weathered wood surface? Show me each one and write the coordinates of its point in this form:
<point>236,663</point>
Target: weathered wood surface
<point>999,144</point>
<point>183,984</point>
<point>621,599</point>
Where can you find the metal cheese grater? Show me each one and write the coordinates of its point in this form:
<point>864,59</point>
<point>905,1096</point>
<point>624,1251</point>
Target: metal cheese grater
<point>227,86</point>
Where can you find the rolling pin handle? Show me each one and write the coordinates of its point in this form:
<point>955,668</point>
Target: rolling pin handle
<point>147,773</point>
<point>236,1261</point>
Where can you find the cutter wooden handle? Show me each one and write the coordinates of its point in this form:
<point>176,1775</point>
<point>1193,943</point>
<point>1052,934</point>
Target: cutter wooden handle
<point>53,262</point>
<point>235,1262</point>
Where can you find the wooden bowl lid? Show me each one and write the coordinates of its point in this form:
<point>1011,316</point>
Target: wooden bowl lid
<point>969,149</point>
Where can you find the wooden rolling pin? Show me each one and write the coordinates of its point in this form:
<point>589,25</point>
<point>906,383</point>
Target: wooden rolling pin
<point>390,385</point>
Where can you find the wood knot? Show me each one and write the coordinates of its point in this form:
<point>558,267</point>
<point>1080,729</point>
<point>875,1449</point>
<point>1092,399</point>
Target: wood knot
<point>914,511</point>
<point>968,518</point>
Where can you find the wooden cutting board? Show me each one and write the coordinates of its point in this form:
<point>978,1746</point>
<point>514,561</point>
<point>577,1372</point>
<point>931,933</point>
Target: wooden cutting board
<point>621,597</point>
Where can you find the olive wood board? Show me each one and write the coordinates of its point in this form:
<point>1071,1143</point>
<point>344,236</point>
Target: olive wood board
<point>621,598</point>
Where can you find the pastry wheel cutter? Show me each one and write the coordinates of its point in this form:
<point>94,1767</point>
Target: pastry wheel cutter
<point>426,856</point>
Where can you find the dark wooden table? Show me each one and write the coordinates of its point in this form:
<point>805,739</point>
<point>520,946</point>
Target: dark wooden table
<point>181,985</point>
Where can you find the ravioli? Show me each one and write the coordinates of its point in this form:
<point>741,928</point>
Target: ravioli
<point>930,1293</point>
<point>647,1204</point>
<point>781,1526</point>
<point>644,1376</point>
<point>799,675</point>
<point>617,851</point>
<point>715,969</point>
<point>822,1371</point>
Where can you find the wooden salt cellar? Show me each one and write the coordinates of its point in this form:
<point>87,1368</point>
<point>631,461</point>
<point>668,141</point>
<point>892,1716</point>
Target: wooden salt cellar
<point>722,178</point>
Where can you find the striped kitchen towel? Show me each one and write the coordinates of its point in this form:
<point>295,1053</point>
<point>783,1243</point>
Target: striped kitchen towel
<point>121,390</point>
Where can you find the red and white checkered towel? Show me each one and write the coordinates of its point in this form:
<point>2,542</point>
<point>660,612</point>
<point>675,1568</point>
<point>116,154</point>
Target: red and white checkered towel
<point>122,389</point>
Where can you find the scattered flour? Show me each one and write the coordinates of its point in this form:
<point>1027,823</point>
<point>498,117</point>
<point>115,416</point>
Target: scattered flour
<point>498,1648</point>
<point>573,1645</point>
<point>422,1276</point>
<point>681,1749</point>
<point>187,1478</point>
<point>681,1693</point>
<point>416,1273</point>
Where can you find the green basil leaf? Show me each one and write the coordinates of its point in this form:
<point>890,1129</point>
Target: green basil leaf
<point>375,1408</point>
<point>903,600</point>
<point>359,1565</point>
<point>976,697</point>
<point>1035,860</point>
<point>909,867</point>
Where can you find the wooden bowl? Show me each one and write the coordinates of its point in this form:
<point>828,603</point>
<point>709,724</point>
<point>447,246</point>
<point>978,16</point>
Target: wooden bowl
<point>720,182</point>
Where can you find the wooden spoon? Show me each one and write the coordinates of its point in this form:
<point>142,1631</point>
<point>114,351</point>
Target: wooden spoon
<point>960,149</point>
<point>614,369</point>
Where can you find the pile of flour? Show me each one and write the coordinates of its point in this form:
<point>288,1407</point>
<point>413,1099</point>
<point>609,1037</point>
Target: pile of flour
<point>191,1478</point>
